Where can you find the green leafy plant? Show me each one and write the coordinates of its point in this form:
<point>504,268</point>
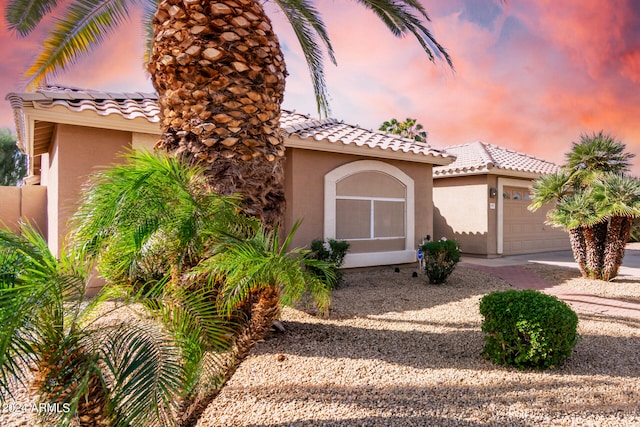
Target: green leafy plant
<point>440,259</point>
<point>331,252</point>
<point>634,234</point>
<point>100,372</point>
<point>527,329</point>
<point>202,284</point>
<point>594,199</point>
<point>13,163</point>
<point>154,225</point>
<point>410,128</point>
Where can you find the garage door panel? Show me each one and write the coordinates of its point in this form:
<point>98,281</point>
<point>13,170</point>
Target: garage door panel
<point>525,231</point>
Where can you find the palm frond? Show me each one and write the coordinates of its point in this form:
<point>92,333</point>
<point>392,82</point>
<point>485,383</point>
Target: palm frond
<point>400,19</point>
<point>617,195</point>
<point>549,188</point>
<point>191,316</point>
<point>86,24</point>
<point>153,207</point>
<point>24,15</point>
<point>308,27</point>
<point>247,263</point>
<point>147,372</point>
<point>149,8</point>
<point>576,210</point>
<point>597,153</point>
<point>34,289</point>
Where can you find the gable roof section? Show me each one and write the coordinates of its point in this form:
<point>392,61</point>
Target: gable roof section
<point>139,112</point>
<point>482,158</point>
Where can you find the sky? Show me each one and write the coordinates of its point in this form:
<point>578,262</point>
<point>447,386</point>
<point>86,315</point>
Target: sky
<point>530,76</point>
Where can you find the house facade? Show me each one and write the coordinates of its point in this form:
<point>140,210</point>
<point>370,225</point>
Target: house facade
<point>369,188</point>
<point>481,200</point>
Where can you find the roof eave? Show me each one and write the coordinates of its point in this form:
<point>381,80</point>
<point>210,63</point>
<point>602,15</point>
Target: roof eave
<point>493,171</point>
<point>19,119</point>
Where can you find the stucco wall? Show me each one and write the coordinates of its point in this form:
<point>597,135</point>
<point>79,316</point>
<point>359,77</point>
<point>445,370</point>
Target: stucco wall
<point>28,203</point>
<point>461,212</point>
<point>10,207</point>
<point>76,152</point>
<point>304,190</point>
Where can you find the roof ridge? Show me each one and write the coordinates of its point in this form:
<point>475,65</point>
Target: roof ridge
<point>511,150</point>
<point>485,155</point>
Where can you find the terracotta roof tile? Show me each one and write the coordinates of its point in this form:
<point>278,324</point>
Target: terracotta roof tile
<point>480,157</point>
<point>324,131</point>
<point>338,132</point>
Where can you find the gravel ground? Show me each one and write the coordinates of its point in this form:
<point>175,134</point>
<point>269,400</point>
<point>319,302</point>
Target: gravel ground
<point>397,351</point>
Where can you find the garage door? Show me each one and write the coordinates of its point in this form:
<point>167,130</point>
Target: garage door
<point>525,231</point>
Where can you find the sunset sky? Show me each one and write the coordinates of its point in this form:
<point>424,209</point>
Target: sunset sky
<point>531,76</point>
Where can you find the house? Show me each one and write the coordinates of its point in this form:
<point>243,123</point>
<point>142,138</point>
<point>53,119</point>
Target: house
<point>370,188</point>
<point>481,200</point>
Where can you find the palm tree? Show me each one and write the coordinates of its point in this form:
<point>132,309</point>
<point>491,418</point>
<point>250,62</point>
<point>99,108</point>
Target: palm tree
<point>595,201</point>
<point>13,164</point>
<point>410,128</point>
<point>618,197</point>
<point>154,225</point>
<point>219,73</point>
<point>100,373</point>
<point>597,153</point>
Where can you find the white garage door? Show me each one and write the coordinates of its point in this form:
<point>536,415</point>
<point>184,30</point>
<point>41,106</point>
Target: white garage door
<point>525,231</point>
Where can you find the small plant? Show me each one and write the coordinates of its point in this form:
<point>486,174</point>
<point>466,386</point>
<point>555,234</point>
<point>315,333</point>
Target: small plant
<point>527,329</point>
<point>333,252</point>
<point>440,259</point>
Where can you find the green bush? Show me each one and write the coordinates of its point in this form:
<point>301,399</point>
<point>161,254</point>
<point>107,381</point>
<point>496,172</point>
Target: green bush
<point>440,259</point>
<point>527,329</point>
<point>634,235</point>
<point>332,251</point>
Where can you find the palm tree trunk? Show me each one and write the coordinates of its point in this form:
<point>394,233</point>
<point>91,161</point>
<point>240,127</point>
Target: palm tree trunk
<point>595,238</point>
<point>624,234</point>
<point>614,247</point>
<point>591,252</point>
<point>264,309</point>
<point>92,407</point>
<point>220,74</point>
<point>576,238</point>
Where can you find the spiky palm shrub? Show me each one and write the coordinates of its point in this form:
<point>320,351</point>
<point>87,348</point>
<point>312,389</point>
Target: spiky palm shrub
<point>618,199</point>
<point>595,201</point>
<point>99,373</point>
<point>155,210</point>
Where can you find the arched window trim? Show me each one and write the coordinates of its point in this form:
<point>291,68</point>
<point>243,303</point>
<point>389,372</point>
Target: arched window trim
<point>376,258</point>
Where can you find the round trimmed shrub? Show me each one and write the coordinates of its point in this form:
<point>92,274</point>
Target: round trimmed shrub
<point>527,329</point>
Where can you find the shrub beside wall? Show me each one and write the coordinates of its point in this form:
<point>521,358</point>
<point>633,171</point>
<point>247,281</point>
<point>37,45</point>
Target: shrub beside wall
<point>440,259</point>
<point>527,329</point>
<point>332,251</point>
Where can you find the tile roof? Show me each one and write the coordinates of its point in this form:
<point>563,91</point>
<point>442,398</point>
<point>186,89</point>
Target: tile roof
<point>128,105</point>
<point>322,134</point>
<point>338,133</point>
<point>480,157</point>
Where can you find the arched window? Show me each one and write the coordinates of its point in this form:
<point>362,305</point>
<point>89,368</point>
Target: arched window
<point>371,205</point>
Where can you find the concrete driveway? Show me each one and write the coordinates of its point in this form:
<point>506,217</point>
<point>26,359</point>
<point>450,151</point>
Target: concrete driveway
<point>630,264</point>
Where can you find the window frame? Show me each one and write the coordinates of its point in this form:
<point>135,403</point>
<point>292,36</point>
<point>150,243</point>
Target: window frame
<point>330,213</point>
<point>372,212</point>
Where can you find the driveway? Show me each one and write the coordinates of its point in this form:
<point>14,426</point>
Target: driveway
<point>630,264</point>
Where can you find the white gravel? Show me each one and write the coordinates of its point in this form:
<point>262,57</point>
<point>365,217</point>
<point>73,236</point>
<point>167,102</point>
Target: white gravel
<point>396,351</point>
